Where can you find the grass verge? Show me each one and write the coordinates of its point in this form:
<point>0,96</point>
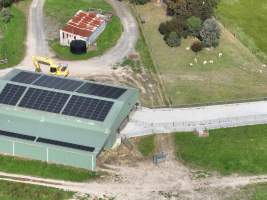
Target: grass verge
<point>59,16</point>
<point>146,145</point>
<point>20,191</point>
<point>233,150</point>
<point>36,168</point>
<point>13,35</point>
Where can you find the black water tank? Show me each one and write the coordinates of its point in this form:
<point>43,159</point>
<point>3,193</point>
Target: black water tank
<point>78,47</point>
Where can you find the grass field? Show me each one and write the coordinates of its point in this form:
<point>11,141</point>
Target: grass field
<point>13,35</point>
<point>20,191</point>
<point>59,16</point>
<point>40,169</point>
<point>235,76</point>
<point>146,145</point>
<point>247,20</point>
<point>234,150</point>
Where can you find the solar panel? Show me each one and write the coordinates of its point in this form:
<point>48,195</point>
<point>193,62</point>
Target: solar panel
<point>11,94</point>
<point>88,108</point>
<point>58,83</point>
<point>66,144</point>
<point>44,100</point>
<point>16,135</point>
<point>101,90</point>
<point>25,77</point>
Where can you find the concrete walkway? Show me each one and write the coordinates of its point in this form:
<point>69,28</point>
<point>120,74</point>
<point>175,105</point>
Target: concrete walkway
<point>148,121</point>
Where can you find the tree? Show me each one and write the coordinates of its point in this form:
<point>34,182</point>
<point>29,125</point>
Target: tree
<point>203,9</point>
<point>194,25</point>
<point>210,33</point>
<point>173,40</point>
<point>5,3</point>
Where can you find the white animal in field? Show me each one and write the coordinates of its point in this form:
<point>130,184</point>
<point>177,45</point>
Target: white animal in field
<point>211,61</point>
<point>195,60</point>
<point>205,62</point>
<point>264,65</point>
<point>191,64</point>
<point>187,48</point>
<point>220,55</point>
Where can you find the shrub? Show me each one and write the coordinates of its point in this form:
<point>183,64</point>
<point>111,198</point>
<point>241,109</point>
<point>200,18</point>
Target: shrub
<point>210,33</point>
<point>163,29</point>
<point>173,40</point>
<point>194,25</point>
<point>5,3</point>
<point>139,2</point>
<point>6,15</point>
<point>196,46</point>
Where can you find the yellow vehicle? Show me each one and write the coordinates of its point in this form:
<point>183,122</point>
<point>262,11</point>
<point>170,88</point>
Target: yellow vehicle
<point>54,69</point>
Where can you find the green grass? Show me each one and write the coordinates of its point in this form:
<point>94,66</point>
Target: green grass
<point>60,12</point>
<point>250,192</point>
<point>234,150</point>
<point>13,35</point>
<point>235,76</point>
<point>146,145</point>
<point>247,20</point>
<point>41,169</point>
<point>20,191</point>
<point>105,41</point>
<point>144,53</point>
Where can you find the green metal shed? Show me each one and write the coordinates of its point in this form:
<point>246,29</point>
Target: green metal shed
<point>69,140</point>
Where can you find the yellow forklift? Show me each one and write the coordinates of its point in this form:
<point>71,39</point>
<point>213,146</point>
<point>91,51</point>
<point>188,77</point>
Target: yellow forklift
<point>54,69</point>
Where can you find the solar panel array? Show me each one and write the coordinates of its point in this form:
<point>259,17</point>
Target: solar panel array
<point>69,85</point>
<point>25,77</point>
<point>88,108</point>
<point>57,102</point>
<point>101,90</point>
<point>58,83</point>
<point>65,144</point>
<point>44,100</point>
<point>11,94</point>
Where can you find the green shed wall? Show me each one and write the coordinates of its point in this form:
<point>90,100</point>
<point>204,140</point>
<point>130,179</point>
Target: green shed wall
<point>32,150</point>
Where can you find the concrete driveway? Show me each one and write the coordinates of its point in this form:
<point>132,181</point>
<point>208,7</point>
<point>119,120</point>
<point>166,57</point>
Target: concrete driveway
<point>148,121</point>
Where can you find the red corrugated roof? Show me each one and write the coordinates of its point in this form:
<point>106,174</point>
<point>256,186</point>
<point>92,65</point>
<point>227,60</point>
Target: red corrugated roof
<point>83,24</point>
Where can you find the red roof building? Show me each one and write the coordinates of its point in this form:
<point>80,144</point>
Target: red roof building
<point>85,26</point>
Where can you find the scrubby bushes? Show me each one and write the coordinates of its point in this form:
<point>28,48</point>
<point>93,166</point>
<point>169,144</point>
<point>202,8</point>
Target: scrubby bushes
<point>6,15</point>
<point>6,3</point>
<point>139,2</point>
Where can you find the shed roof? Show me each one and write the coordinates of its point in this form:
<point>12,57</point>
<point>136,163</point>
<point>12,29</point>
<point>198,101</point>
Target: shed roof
<point>83,23</point>
<point>54,120</point>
